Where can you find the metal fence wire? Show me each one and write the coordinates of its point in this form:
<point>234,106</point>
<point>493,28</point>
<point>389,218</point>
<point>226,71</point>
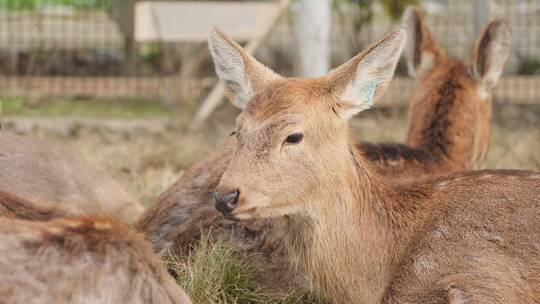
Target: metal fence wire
<point>80,47</point>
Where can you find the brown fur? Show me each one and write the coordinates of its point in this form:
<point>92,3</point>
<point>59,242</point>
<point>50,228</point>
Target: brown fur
<point>80,260</point>
<point>445,107</point>
<point>449,121</point>
<point>363,238</point>
<point>18,208</point>
<point>423,241</point>
<point>46,172</point>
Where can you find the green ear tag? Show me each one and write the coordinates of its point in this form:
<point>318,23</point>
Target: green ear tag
<point>369,91</point>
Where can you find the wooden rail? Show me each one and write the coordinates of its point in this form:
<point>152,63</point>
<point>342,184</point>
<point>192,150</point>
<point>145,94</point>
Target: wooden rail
<point>511,89</point>
<point>109,87</point>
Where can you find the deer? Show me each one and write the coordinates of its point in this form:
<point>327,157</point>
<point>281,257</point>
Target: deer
<point>79,260</point>
<point>359,236</point>
<point>48,172</point>
<point>449,131</point>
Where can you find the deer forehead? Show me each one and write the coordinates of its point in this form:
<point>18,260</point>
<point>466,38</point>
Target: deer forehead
<point>286,97</point>
<point>247,124</point>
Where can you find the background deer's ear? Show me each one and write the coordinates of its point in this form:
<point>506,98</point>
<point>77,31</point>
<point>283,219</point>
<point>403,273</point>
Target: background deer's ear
<point>422,51</point>
<point>241,74</point>
<point>361,81</point>
<point>491,52</point>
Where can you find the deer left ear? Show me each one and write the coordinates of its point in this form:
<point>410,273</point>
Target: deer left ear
<point>361,81</point>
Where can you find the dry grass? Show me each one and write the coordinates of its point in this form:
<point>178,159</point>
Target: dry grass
<point>148,162</point>
<point>216,273</point>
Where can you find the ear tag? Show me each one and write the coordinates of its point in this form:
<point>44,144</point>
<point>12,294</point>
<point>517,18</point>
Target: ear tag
<point>369,91</point>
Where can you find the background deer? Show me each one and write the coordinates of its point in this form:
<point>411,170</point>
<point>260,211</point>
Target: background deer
<point>450,115</point>
<point>45,172</point>
<point>80,260</point>
<point>362,238</point>
<point>450,122</point>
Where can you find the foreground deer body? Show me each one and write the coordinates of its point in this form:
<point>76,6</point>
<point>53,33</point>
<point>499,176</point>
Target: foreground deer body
<point>360,237</point>
<point>432,241</point>
<point>49,173</point>
<point>79,260</point>
<point>450,126</point>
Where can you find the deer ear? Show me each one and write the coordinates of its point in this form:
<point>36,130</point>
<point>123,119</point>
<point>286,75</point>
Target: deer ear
<point>422,51</point>
<point>491,52</point>
<point>240,72</point>
<point>363,80</point>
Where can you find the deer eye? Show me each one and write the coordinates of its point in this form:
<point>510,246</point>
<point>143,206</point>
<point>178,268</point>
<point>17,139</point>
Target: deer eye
<point>232,133</point>
<point>294,138</point>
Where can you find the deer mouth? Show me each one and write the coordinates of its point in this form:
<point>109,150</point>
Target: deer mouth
<point>238,215</point>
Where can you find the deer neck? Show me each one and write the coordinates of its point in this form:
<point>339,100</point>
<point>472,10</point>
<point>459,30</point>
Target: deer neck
<point>445,95</point>
<point>346,243</point>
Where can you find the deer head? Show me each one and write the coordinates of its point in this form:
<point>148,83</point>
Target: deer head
<point>292,135</point>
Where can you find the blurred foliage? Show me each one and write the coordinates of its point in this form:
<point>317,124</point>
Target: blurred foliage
<point>354,15</point>
<point>151,53</point>
<point>529,66</point>
<point>395,8</point>
<point>36,4</point>
<point>365,12</point>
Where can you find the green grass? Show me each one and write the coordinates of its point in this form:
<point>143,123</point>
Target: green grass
<point>34,4</point>
<point>19,106</point>
<point>215,272</point>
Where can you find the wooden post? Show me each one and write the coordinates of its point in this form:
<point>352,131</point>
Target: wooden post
<point>123,13</point>
<point>313,22</point>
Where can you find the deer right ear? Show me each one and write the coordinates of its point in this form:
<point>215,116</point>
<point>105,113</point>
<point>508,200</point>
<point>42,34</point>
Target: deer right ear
<point>491,52</point>
<point>422,51</point>
<point>241,74</point>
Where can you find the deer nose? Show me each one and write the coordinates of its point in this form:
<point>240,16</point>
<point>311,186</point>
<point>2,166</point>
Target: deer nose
<point>226,202</point>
